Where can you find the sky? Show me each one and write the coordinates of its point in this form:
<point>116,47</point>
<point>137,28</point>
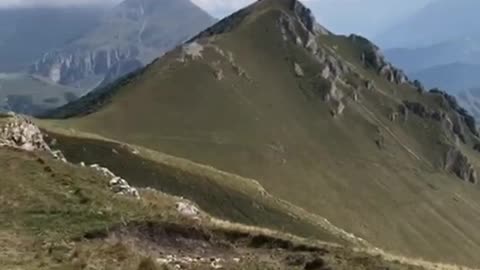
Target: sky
<point>365,17</point>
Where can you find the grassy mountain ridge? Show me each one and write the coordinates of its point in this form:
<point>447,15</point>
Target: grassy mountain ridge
<point>54,228</point>
<point>322,121</point>
<point>62,215</point>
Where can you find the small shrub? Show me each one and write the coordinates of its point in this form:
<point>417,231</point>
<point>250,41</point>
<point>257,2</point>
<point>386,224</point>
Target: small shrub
<point>148,264</point>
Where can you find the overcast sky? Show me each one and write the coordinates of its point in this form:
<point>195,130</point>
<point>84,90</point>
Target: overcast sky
<point>366,17</point>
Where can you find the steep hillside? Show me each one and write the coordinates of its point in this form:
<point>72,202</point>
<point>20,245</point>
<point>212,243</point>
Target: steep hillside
<point>322,121</point>
<point>130,35</point>
<point>59,214</point>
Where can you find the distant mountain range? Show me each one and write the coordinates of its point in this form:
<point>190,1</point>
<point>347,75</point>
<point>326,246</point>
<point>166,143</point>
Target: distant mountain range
<point>463,50</point>
<point>129,36</point>
<point>440,46</point>
<point>85,48</point>
<point>27,33</point>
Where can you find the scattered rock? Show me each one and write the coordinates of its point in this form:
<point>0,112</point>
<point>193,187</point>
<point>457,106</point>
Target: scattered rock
<point>187,209</point>
<point>120,186</point>
<point>326,72</point>
<point>338,108</point>
<point>370,85</point>
<point>355,96</point>
<point>393,116</point>
<point>219,75</point>
<point>298,70</point>
<point>311,43</point>
<point>193,50</point>
<point>456,162</point>
<point>298,41</point>
<point>187,262</point>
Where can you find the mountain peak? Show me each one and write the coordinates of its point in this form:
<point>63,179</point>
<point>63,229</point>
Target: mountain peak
<point>292,7</point>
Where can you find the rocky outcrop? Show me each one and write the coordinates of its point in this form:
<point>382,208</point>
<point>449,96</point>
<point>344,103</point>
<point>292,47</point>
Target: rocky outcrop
<point>307,18</point>
<point>419,86</point>
<point>372,57</point>
<point>192,50</point>
<point>21,133</point>
<point>117,184</point>
<point>451,103</point>
<point>187,209</point>
<point>456,162</point>
<point>298,70</point>
<point>417,108</point>
<point>454,123</point>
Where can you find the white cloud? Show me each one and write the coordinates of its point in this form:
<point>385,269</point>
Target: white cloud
<point>215,6</point>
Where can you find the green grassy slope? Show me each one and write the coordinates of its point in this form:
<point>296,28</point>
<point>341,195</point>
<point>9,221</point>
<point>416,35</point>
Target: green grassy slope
<point>223,195</point>
<point>58,215</point>
<point>264,122</point>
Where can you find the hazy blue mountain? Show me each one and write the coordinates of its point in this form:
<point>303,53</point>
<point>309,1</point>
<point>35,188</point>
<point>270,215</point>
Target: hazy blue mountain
<point>453,77</point>
<point>440,21</point>
<point>76,49</point>
<point>27,33</point>
<point>464,50</point>
<point>133,32</point>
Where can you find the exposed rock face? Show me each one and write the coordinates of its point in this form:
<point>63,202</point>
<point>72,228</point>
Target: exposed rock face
<point>373,58</point>
<point>135,31</point>
<point>70,67</point>
<point>451,102</point>
<point>457,163</point>
<point>454,124</point>
<point>417,108</point>
<point>305,16</point>
<point>19,132</point>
